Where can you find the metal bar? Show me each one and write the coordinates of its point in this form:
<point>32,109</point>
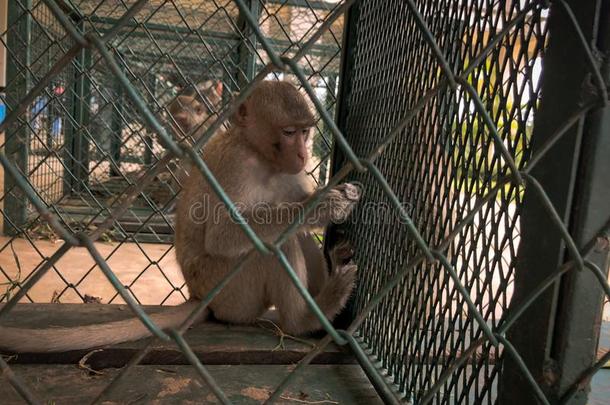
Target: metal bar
<point>148,138</point>
<point>76,154</point>
<point>253,23</point>
<point>331,105</point>
<point>247,59</point>
<point>600,84</point>
<point>337,160</point>
<point>580,309</point>
<point>16,135</point>
<point>116,125</point>
<point>541,251</point>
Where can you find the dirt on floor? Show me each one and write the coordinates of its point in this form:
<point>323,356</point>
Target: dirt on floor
<point>150,269</point>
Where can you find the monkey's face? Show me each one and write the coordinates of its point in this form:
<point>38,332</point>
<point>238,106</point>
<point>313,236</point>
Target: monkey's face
<point>291,153</point>
<point>193,108</point>
<point>188,112</point>
<point>276,121</point>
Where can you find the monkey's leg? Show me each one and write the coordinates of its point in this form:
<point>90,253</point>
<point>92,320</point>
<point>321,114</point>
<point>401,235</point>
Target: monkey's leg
<point>295,316</point>
<point>242,300</point>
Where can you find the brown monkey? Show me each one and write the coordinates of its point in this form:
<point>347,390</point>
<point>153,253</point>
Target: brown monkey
<point>189,110</point>
<point>259,162</point>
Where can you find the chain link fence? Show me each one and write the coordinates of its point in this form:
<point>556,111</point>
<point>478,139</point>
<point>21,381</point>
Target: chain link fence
<point>88,143</point>
<point>468,150</point>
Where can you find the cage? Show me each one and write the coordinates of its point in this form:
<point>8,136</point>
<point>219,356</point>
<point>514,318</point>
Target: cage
<point>476,130</point>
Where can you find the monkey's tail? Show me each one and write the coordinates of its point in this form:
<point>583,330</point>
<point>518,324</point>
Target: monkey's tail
<point>59,339</point>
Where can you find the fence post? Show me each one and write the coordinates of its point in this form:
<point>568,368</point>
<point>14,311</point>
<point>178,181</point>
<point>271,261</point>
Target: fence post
<point>581,305</point>
<point>557,335</point>
<point>77,144</point>
<point>151,83</point>
<point>19,81</point>
<point>247,59</point>
<point>116,139</point>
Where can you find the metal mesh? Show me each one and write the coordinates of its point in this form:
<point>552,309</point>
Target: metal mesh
<point>173,47</point>
<point>440,166</point>
<point>48,113</point>
<point>449,156</point>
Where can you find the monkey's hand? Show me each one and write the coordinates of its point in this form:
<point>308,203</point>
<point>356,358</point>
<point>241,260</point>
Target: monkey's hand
<point>337,206</point>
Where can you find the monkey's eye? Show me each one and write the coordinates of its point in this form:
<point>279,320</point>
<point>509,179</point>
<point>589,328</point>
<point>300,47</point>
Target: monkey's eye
<point>290,131</point>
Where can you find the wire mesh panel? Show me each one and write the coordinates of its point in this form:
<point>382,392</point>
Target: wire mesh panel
<point>38,42</point>
<point>88,143</point>
<point>440,166</point>
<point>48,112</point>
<point>441,113</point>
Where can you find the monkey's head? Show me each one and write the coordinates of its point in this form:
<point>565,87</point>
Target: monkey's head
<point>276,121</point>
<point>191,108</point>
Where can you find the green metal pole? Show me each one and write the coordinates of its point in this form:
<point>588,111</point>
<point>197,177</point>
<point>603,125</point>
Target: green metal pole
<point>148,140</point>
<point>581,308</point>
<point>17,142</point>
<point>247,58</point>
<point>116,126</point>
<point>78,158</point>
<point>556,336</point>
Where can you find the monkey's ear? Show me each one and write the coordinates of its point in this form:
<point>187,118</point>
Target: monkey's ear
<point>242,115</point>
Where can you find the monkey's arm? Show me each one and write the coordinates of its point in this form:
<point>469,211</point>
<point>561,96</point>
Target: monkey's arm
<point>224,237</point>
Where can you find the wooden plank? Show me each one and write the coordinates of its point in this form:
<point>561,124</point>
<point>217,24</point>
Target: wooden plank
<point>212,342</point>
<point>66,384</point>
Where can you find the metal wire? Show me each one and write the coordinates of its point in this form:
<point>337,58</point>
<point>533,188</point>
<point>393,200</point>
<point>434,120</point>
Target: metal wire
<point>428,248</point>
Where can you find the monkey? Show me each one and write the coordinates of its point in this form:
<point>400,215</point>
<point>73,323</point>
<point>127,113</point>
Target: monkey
<point>259,163</point>
<point>191,108</point>
<point>267,151</point>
